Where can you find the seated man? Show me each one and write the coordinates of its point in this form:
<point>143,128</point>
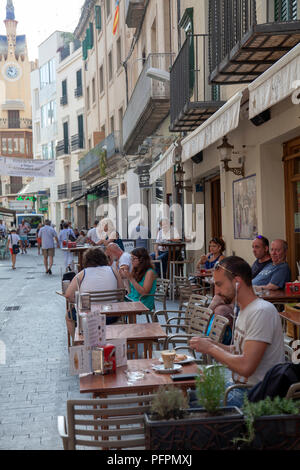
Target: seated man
<point>119,259</point>
<point>167,233</point>
<point>260,247</point>
<point>92,235</point>
<point>276,274</point>
<point>258,339</point>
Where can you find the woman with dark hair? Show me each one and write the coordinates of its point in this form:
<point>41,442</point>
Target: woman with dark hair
<point>216,249</point>
<point>142,278</point>
<point>97,276</point>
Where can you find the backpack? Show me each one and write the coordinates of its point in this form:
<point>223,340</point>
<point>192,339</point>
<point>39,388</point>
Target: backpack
<point>71,238</point>
<point>276,382</point>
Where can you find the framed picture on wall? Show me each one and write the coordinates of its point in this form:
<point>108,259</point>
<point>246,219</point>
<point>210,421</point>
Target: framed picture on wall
<point>245,208</point>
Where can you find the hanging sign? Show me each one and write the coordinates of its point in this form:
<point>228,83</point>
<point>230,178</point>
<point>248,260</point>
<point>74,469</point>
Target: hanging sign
<point>23,167</point>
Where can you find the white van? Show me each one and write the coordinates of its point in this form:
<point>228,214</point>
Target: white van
<point>33,220</point>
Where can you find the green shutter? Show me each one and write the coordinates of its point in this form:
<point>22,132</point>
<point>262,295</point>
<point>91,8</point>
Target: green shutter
<point>90,36</point>
<point>98,17</point>
<point>84,49</point>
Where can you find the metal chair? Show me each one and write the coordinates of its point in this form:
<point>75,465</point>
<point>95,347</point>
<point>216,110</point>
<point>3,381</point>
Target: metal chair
<point>159,261</point>
<point>112,423</point>
<point>160,295</point>
<point>87,298</point>
<point>195,300</point>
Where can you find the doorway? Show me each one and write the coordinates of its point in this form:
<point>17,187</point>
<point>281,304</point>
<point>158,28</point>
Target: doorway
<point>216,216</point>
<point>291,160</point>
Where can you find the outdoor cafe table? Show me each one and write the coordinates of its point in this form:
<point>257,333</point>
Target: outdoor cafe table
<point>102,386</point>
<point>120,309</point>
<point>140,333</point>
<point>79,251</point>
<point>280,296</point>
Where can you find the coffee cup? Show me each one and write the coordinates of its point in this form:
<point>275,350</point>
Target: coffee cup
<point>168,358</point>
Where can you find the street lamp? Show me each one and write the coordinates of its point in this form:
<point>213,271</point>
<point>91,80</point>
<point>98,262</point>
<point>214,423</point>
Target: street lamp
<point>225,151</point>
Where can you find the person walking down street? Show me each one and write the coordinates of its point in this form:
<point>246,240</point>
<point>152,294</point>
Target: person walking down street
<point>63,238</point>
<point>13,243</point>
<point>2,229</point>
<point>47,235</point>
<point>23,230</point>
<point>38,238</point>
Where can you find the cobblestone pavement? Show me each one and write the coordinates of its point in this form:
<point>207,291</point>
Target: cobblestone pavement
<point>34,382</point>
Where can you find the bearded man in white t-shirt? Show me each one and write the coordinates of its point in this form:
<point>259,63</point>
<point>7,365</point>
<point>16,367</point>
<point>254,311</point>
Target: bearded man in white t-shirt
<point>258,338</point>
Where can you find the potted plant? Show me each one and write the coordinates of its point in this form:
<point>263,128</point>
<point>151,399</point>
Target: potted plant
<point>172,426</point>
<point>271,425</point>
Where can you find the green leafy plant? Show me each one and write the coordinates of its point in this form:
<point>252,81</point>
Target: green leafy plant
<point>266,407</point>
<point>211,386</point>
<point>169,403</point>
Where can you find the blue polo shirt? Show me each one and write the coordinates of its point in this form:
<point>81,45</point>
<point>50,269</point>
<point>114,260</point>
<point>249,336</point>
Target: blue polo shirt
<point>277,274</point>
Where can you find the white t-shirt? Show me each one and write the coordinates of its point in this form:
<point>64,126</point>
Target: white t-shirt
<point>125,260</point>
<point>93,235</point>
<point>13,240</point>
<point>259,321</point>
<point>166,236</point>
<point>98,279</point>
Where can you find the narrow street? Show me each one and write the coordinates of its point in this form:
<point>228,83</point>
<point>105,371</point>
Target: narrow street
<point>35,383</point>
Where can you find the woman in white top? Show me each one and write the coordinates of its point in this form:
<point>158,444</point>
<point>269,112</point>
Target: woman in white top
<point>13,239</point>
<point>97,276</point>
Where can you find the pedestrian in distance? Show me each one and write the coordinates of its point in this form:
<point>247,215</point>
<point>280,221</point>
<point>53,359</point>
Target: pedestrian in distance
<point>13,243</point>
<point>48,235</point>
<point>23,230</point>
<point>38,238</point>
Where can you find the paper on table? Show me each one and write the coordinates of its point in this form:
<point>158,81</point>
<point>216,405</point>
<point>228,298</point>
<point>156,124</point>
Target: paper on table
<point>94,329</point>
<point>80,360</point>
<point>121,350</point>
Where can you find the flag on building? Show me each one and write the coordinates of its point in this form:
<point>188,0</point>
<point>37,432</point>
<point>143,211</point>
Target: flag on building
<point>117,17</point>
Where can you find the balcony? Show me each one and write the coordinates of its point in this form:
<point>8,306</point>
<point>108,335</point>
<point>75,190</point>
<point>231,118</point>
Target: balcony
<point>92,160</point>
<point>77,142</point>
<point>20,123</point>
<point>62,148</point>
<point>149,104</point>
<point>78,92</point>
<point>134,12</point>
<point>240,49</point>
<point>77,188</point>
<point>193,100</point>
<point>64,100</point>
<point>63,191</point>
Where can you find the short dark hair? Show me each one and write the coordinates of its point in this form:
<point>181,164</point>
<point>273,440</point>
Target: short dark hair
<point>218,241</point>
<point>263,239</point>
<point>66,225</point>
<point>236,266</point>
<point>94,257</point>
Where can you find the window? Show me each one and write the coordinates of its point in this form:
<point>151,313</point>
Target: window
<point>88,98</point>
<point>14,119</point>
<point>36,100</point>
<point>112,124</point>
<point>93,90</point>
<point>47,74</point>
<point>44,118</point>
<point>119,54</point>
<point>108,8</point>
<point>101,79</point>
<point>98,17</point>
<point>285,10</point>
<point>110,66</point>
<point>64,91</point>
<point>79,78</point>
<point>66,137</point>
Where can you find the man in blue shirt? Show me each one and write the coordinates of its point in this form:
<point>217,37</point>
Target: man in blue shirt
<point>276,274</point>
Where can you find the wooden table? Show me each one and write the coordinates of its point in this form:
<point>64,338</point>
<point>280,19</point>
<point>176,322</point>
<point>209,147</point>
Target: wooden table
<point>79,251</point>
<point>119,309</point>
<point>172,247</point>
<point>141,333</point>
<point>117,384</point>
<point>280,296</point>
<point>294,319</point>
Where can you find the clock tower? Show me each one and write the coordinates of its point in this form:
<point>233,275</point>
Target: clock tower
<point>15,99</point>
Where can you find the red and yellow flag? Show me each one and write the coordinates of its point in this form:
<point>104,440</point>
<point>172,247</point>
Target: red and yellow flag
<point>117,17</point>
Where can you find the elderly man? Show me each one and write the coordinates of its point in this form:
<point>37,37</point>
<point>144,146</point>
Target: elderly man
<point>275,275</point>
<point>260,247</point>
<point>118,256</point>
<point>258,338</point>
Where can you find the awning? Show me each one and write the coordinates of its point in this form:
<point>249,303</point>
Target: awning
<point>276,84</point>
<point>217,126</point>
<point>163,165</point>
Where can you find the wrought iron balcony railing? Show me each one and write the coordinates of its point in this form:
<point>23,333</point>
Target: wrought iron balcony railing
<point>21,123</point>
<point>63,191</point>
<point>62,148</point>
<point>241,47</point>
<point>77,142</point>
<point>64,100</point>
<point>193,100</point>
<point>78,92</point>
<point>110,146</point>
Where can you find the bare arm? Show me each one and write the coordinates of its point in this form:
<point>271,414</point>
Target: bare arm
<point>148,283</point>
<point>73,287</point>
<point>244,364</point>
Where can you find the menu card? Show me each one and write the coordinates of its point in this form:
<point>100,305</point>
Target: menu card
<point>94,329</point>
<point>80,360</point>
<point>121,350</point>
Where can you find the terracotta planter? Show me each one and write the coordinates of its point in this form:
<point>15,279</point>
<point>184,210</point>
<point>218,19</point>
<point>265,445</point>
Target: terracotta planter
<point>195,432</point>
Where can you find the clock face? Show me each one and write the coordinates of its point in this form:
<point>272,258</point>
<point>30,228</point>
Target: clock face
<point>11,71</point>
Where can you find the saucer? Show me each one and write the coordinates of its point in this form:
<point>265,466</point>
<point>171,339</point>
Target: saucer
<point>161,369</point>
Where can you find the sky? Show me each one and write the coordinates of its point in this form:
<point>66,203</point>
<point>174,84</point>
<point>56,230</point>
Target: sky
<point>38,19</point>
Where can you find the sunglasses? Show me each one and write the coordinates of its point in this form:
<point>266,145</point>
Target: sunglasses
<point>218,266</point>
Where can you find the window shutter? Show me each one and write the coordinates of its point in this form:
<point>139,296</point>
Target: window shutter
<point>285,10</point>
<point>84,49</point>
<point>98,17</point>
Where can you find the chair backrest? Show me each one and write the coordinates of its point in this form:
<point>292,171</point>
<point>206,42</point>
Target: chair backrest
<point>113,423</point>
<point>162,286</point>
<point>199,320</point>
<point>218,328</point>
<point>87,298</point>
<point>294,391</point>
<point>196,300</point>
<point>288,353</point>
